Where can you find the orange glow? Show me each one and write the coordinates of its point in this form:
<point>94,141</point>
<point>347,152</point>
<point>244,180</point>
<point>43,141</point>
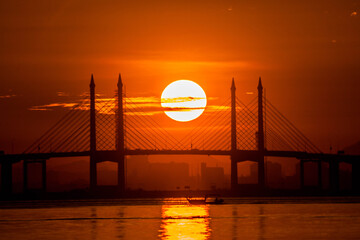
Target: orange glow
<point>185,222</point>
<point>183,100</point>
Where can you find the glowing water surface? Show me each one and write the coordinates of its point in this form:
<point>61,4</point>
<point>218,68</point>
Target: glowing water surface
<point>174,219</point>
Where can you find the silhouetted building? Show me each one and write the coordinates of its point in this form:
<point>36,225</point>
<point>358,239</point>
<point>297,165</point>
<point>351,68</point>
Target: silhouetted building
<point>274,175</point>
<point>212,177</point>
<point>249,179</point>
<point>141,174</point>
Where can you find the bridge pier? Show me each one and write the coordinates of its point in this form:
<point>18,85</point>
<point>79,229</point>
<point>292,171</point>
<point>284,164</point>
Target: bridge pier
<point>6,177</point>
<point>334,176</point>
<point>261,172</point>
<point>25,176</point>
<point>93,172</point>
<point>234,174</point>
<point>355,176</point>
<point>319,174</point>
<point>302,174</point>
<point>43,171</point>
<point>121,173</point>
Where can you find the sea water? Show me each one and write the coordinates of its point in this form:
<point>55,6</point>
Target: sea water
<point>174,218</point>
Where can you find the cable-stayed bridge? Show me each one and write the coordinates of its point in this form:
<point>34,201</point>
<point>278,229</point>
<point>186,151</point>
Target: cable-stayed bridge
<point>110,129</point>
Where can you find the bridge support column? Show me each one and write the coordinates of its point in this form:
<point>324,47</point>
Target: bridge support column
<point>43,171</point>
<point>93,170</point>
<point>25,176</point>
<point>6,177</point>
<point>355,175</point>
<point>121,173</point>
<point>234,172</point>
<point>120,144</point>
<point>302,173</point>
<point>261,172</point>
<point>261,142</point>
<point>334,175</point>
<point>319,174</point>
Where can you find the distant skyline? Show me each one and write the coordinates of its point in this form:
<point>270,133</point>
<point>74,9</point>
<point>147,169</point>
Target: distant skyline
<point>167,175</point>
<point>307,54</point>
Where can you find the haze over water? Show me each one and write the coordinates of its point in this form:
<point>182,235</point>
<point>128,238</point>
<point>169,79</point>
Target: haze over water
<point>175,219</point>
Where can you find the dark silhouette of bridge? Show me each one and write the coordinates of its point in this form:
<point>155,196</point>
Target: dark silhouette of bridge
<point>245,132</point>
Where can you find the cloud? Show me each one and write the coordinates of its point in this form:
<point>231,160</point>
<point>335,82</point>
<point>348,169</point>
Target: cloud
<point>103,104</point>
<point>148,113</point>
<point>143,99</point>
<point>181,109</point>
<point>214,108</point>
<point>52,106</point>
<point>63,94</point>
<point>7,96</point>
<point>144,106</point>
<point>180,99</point>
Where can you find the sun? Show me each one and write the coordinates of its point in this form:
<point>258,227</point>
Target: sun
<point>183,100</point>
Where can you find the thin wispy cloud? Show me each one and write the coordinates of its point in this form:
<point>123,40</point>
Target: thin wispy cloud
<point>181,109</point>
<point>145,106</point>
<point>180,99</point>
<point>52,106</point>
<point>7,96</point>
<point>63,94</point>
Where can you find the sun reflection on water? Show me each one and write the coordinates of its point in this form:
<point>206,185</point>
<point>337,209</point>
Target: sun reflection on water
<point>185,222</point>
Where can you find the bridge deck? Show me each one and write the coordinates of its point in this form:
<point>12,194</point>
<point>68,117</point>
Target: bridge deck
<point>241,155</point>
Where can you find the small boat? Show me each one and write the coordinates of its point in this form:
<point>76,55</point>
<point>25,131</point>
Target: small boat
<point>197,201</point>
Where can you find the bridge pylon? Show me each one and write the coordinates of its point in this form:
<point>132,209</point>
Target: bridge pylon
<point>260,135</point>
<point>93,170</point>
<point>234,172</point>
<point>119,155</point>
<point>120,149</point>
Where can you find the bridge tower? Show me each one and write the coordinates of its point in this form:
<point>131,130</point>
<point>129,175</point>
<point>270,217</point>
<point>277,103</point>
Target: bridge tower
<point>120,153</point>
<point>93,170</point>
<point>261,147</point>
<point>234,173</point>
<point>95,157</point>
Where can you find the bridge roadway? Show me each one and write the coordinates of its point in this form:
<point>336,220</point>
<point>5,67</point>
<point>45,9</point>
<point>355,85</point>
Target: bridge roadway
<point>240,155</point>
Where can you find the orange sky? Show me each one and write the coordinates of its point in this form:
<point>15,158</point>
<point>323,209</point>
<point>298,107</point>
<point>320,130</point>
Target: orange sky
<point>308,54</point>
